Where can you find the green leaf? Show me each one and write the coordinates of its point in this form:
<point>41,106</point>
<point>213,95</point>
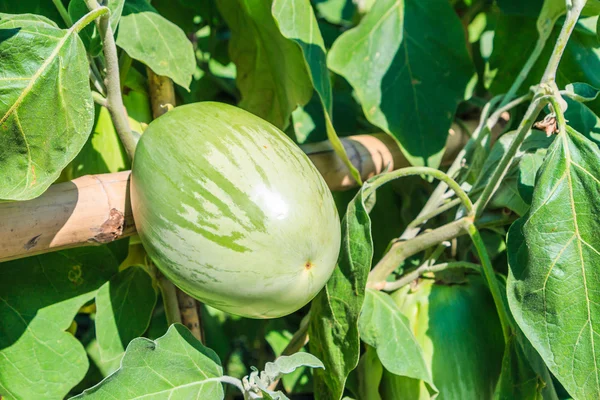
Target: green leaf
<point>518,380</point>
<point>175,365</point>
<point>46,108</point>
<point>271,72</point>
<point>508,193</point>
<point>553,258</point>
<point>384,327</point>
<point>297,22</point>
<point>581,92</point>
<point>89,35</point>
<point>408,63</point>
<point>150,38</point>
<point>123,310</point>
<point>368,375</point>
<point>528,167</point>
<point>333,326</point>
<point>39,297</point>
<point>102,153</point>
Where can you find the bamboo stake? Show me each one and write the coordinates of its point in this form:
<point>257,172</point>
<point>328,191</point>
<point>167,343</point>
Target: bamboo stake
<point>95,209</point>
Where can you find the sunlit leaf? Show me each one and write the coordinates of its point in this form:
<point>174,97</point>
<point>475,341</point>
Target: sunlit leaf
<point>271,72</point>
<point>46,109</point>
<point>155,41</point>
<point>383,326</point>
<point>554,254</point>
<point>408,63</point>
<point>175,366</point>
<point>297,22</point>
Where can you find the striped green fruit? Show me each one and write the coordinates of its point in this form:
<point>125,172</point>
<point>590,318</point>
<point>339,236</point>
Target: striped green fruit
<point>459,331</point>
<point>232,211</point>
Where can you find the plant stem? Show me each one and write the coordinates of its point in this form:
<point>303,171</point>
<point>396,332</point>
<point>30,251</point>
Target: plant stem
<point>436,197</point>
<point>532,112</point>
<point>113,85</point>
<point>99,99</point>
<point>560,116</point>
<point>427,216</point>
<point>169,296</point>
<point>63,12</point>
<point>490,276</point>
<point>571,19</point>
<point>411,171</point>
<point>423,269</point>
<point>89,18</point>
<point>401,250</point>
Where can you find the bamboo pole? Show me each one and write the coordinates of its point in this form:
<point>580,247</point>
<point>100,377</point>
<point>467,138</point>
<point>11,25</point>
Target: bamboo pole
<point>95,209</point>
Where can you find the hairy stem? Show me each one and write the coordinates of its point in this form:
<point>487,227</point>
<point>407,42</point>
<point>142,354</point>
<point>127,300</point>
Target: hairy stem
<point>572,16</point>
<point>401,250</point>
<point>422,218</point>
<point>423,269</point>
<point>63,12</point>
<point>490,276</point>
<point>532,112</point>
<point>99,99</point>
<point>411,171</point>
<point>113,84</point>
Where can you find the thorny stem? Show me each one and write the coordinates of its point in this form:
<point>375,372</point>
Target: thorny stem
<point>63,12</point>
<point>423,269</point>
<point>490,276</point>
<point>113,85</point>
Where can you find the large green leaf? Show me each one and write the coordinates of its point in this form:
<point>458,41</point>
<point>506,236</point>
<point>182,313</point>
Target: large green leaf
<point>408,62</point>
<point>39,297</point>
<point>155,41</point>
<point>554,261</point>
<point>123,310</point>
<point>335,311</point>
<point>46,108</point>
<point>175,366</point>
<point>297,22</point>
<point>89,35</point>
<point>271,72</point>
<point>383,326</point>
